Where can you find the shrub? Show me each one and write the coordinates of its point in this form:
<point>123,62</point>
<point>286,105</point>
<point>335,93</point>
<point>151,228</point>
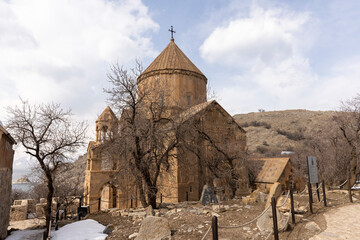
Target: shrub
<point>297,136</point>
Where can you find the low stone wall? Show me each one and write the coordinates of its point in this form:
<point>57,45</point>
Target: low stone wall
<point>5,192</point>
<point>30,203</point>
<point>18,212</point>
<point>40,210</point>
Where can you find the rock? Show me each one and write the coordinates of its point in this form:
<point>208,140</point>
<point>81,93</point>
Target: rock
<point>149,211</point>
<point>313,227</point>
<point>116,214</point>
<point>215,214</point>
<point>263,197</point>
<point>246,228</point>
<point>108,229</point>
<point>124,214</point>
<point>205,211</point>
<point>255,194</point>
<point>216,208</point>
<point>190,229</point>
<point>137,214</point>
<point>300,210</point>
<point>200,226</point>
<point>207,195</point>
<point>28,224</point>
<point>247,206</point>
<point>275,191</point>
<point>134,235</point>
<point>265,222</point>
<point>156,228</point>
<point>248,200</point>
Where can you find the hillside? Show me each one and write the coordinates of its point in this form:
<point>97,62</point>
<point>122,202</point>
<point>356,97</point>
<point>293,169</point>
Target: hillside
<point>272,132</point>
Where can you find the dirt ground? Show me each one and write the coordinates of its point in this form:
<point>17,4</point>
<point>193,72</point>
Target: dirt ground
<point>190,220</point>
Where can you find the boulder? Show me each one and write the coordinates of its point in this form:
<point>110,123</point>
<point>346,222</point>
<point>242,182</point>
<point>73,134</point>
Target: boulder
<point>134,235</point>
<point>300,210</point>
<point>108,229</point>
<point>248,200</point>
<point>116,214</point>
<point>265,222</point>
<point>313,227</point>
<point>149,211</point>
<point>275,191</point>
<point>156,228</point>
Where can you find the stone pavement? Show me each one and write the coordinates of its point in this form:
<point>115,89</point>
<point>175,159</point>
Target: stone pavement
<point>342,223</point>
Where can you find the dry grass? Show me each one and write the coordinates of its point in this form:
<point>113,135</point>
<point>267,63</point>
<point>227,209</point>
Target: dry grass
<point>287,128</point>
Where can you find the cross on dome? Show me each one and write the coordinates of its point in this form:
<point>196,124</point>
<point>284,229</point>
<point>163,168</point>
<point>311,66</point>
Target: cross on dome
<point>172,32</point>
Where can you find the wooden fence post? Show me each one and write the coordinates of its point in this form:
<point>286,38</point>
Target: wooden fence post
<point>324,192</point>
<point>276,231</point>
<point>214,227</point>
<point>310,197</point>
<point>99,204</point>
<point>318,191</point>
<point>57,216</point>
<point>292,203</point>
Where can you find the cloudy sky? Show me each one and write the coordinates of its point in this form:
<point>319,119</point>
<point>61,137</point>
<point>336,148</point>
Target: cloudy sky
<point>266,54</point>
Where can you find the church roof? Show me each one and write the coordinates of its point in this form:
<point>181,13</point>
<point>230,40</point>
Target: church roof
<point>170,59</point>
<point>107,115</point>
<point>194,110</point>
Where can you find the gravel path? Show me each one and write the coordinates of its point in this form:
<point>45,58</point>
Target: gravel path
<point>342,223</point>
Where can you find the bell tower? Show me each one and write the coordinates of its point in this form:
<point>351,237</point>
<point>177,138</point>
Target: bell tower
<point>106,125</point>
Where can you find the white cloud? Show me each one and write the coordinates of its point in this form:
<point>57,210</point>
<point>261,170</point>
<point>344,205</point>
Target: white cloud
<point>265,36</point>
<point>267,50</point>
<point>60,51</point>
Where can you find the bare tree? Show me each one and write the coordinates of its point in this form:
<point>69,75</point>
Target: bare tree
<point>150,135</point>
<point>48,135</point>
<point>348,121</point>
<point>336,145</point>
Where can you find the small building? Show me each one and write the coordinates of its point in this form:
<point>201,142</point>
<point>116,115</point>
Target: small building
<point>273,170</point>
<point>6,163</point>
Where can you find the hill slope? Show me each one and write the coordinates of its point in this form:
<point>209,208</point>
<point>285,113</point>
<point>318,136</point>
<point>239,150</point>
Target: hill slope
<point>272,132</point>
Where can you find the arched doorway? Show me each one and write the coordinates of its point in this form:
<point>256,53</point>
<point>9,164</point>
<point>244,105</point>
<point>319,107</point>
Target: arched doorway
<point>109,197</point>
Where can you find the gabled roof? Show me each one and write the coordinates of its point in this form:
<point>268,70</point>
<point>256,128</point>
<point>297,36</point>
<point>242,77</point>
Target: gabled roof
<point>107,116</point>
<point>171,58</point>
<point>271,170</point>
<point>190,112</point>
<point>2,129</point>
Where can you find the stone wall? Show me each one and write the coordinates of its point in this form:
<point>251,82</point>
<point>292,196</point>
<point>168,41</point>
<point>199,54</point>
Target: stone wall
<point>6,162</point>
<point>5,192</point>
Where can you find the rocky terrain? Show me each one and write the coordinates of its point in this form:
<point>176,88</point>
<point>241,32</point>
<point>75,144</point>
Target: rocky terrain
<point>276,131</point>
<point>191,220</point>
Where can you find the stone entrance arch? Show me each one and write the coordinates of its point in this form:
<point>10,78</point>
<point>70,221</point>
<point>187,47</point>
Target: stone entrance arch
<point>109,196</point>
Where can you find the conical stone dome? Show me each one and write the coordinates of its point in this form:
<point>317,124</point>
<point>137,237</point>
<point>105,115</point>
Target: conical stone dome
<point>173,80</point>
<point>172,59</point>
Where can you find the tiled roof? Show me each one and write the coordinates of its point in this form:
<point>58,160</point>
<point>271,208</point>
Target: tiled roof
<point>172,58</point>
<point>107,115</point>
<point>271,170</point>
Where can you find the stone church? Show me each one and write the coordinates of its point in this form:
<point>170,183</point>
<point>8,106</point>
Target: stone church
<point>185,97</point>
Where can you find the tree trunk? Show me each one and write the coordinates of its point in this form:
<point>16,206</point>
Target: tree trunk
<point>152,196</point>
<point>141,192</point>
<point>48,203</point>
